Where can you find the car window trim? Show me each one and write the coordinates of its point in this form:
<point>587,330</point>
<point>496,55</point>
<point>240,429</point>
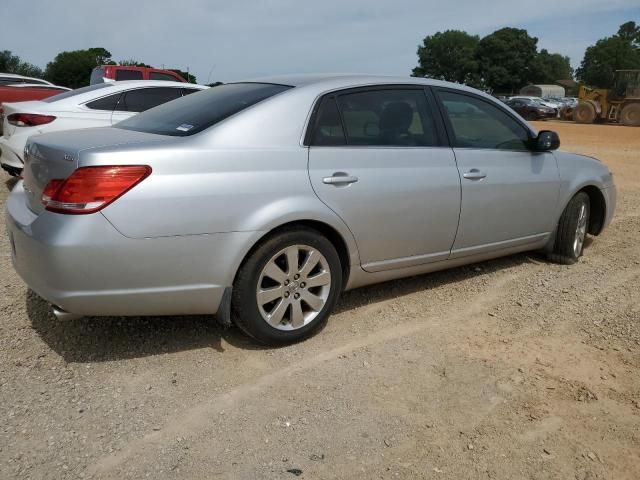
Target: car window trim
<point>449,127</point>
<point>312,122</point>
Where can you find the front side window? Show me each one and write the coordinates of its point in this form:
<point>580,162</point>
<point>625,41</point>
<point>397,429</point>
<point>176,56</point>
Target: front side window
<point>479,124</point>
<point>194,113</point>
<point>388,117</point>
<point>128,75</point>
<point>145,98</point>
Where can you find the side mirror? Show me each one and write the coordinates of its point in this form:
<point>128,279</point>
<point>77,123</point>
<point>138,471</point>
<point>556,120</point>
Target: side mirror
<point>545,141</point>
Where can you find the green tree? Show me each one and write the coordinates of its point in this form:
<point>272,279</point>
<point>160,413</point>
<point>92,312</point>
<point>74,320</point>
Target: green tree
<point>505,59</point>
<point>133,63</point>
<point>73,69</point>
<point>187,76</point>
<point>550,67</point>
<point>10,63</point>
<point>450,56</point>
<point>618,52</point>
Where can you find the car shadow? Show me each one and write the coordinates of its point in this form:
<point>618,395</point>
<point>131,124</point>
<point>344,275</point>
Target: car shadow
<point>98,339</point>
<point>409,285</point>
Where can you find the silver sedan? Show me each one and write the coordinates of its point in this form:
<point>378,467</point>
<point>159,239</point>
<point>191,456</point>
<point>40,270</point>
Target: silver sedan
<point>262,201</point>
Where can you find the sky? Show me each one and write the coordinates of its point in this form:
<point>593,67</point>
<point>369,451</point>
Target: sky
<point>233,40</point>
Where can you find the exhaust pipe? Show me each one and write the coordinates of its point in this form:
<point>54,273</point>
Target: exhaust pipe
<point>61,314</point>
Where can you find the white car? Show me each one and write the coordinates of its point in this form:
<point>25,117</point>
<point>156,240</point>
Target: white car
<point>14,79</point>
<point>100,105</point>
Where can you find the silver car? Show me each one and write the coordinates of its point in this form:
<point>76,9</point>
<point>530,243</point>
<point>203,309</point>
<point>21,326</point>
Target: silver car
<point>262,201</point>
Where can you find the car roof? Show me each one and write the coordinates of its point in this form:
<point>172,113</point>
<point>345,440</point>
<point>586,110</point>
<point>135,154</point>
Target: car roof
<point>38,85</point>
<point>336,81</point>
<point>124,84</point>
<point>345,79</point>
<point>16,76</point>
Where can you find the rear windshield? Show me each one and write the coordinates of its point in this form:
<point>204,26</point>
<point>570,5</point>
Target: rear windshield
<point>198,111</point>
<point>77,91</point>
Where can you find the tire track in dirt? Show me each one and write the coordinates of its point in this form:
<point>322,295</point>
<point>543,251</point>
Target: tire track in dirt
<point>194,419</point>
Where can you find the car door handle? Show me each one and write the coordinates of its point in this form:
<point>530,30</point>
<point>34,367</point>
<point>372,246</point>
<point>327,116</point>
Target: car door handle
<point>474,174</point>
<point>338,179</point>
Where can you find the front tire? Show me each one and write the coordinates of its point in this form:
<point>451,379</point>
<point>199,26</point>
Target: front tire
<point>572,230</point>
<point>584,113</point>
<point>287,287</point>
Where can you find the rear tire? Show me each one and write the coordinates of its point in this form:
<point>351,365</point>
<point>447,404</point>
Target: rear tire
<point>630,115</point>
<point>584,113</point>
<point>572,230</point>
<point>287,287</point>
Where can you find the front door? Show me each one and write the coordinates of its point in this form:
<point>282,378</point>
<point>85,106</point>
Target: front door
<point>509,193</point>
<point>377,161</point>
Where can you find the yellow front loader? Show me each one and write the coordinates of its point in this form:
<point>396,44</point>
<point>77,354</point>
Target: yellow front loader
<point>620,104</point>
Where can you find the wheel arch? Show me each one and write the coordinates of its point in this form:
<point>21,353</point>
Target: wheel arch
<point>332,234</point>
<point>598,208</point>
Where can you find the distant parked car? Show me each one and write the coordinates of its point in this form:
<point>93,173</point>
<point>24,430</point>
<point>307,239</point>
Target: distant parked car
<point>115,73</point>
<point>13,79</point>
<point>539,100</point>
<point>530,109</point>
<point>263,200</point>
<point>23,92</point>
<point>98,105</point>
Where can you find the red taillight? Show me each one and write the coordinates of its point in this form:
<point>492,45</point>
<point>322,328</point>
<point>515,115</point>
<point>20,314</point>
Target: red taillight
<point>90,189</point>
<point>29,119</point>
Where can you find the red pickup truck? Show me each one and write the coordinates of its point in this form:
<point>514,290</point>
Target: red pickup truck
<point>120,72</point>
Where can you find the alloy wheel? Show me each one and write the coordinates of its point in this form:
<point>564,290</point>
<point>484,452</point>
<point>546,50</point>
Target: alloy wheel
<point>293,287</point>
<point>581,231</point>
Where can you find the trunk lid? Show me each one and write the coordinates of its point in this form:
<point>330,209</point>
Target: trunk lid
<point>56,155</point>
<point>20,107</point>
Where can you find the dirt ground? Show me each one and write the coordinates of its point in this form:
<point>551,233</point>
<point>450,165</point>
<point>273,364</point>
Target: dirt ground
<point>510,369</point>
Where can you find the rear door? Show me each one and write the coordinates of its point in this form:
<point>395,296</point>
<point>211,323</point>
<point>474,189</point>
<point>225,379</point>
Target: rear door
<point>377,158</point>
<point>135,101</point>
<point>509,193</point>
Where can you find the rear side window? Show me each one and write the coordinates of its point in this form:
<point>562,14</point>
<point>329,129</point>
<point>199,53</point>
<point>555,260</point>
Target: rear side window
<point>187,91</point>
<point>145,98</point>
<point>128,75</point>
<point>194,113</point>
<point>328,129</point>
<point>105,103</point>
<point>479,124</point>
<point>389,117</point>
<point>162,76</point>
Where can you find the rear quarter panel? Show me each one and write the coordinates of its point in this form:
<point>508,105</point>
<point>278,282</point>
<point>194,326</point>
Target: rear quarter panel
<point>197,192</point>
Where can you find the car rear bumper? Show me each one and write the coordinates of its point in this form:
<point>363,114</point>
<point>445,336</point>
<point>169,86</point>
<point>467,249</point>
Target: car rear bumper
<point>83,265</point>
<point>9,157</point>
